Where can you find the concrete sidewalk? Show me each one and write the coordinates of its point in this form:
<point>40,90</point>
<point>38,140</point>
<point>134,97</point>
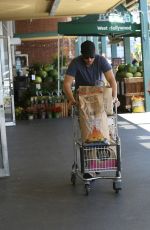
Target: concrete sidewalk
<point>39,195</point>
<point>140,119</point>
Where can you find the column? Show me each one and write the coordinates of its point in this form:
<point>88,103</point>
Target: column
<point>113,50</point>
<point>127,50</point>
<point>145,49</point>
<point>103,45</point>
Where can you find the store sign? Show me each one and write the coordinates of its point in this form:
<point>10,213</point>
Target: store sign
<point>115,28</point>
<point>95,26</point>
<point>115,16</point>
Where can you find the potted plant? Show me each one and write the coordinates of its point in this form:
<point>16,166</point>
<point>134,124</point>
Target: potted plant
<point>31,111</point>
<point>49,111</point>
<point>56,111</point>
<point>42,111</point>
<point>19,112</point>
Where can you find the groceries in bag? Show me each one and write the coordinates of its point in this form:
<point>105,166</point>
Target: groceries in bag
<point>92,116</point>
<point>108,100</point>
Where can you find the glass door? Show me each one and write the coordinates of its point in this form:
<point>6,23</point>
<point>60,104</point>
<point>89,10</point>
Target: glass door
<point>7,81</point>
<point>4,164</point>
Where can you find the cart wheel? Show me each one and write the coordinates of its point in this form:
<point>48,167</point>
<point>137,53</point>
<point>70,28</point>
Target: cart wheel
<point>73,178</point>
<point>87,189</point>
<point>73,166</point>
<point>117,186</point>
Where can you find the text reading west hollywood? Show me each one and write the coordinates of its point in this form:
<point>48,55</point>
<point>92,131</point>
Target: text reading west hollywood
<point>115,28</point>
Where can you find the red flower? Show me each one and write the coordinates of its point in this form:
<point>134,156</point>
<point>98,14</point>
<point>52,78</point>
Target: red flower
<point>56,109</point>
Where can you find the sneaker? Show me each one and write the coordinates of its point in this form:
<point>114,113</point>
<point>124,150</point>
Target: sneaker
<point>97,173</point>
<point>88,175</point>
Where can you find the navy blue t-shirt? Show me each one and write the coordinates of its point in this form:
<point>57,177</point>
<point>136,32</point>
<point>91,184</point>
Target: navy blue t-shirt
<point>87,75</point>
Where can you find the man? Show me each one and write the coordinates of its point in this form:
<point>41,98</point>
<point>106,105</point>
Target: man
<point>87,69</point>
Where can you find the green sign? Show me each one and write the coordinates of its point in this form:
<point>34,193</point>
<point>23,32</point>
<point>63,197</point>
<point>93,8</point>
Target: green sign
<point>103,28</point>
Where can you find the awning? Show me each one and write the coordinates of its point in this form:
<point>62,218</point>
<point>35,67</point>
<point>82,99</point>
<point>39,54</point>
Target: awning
<point>91,25</point>
<point>38,36</point>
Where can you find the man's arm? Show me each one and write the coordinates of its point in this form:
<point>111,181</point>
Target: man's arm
<point>68,81</point>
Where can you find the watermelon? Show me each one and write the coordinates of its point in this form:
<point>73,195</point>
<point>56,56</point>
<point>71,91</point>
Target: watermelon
<point>43,73</point>
<point>128,75</point>
<point>137,74</point>
<point>53,73</point>
<point>38,79</point>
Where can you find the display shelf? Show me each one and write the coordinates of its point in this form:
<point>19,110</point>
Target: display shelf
<point>127,88</point>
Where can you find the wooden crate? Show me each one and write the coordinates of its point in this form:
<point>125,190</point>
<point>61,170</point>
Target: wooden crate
<point>127,88</point>
<point>130,85</point>
<point>64,107</point>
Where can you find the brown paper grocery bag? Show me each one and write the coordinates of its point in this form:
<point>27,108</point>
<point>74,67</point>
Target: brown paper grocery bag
<point>92,117</point>
<point>108,100</point>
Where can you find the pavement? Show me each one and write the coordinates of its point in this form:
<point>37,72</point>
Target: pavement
<point>39,195</point>
<point>140,119</point>
<point>139,124</point>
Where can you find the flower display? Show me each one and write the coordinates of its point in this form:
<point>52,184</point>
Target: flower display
<point>56,109</point>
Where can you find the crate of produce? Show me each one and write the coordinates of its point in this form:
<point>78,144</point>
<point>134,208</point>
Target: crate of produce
<point>127,88</point>
<point>130,85</point>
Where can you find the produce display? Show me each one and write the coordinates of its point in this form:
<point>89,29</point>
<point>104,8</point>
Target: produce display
<point>46,75</point>
<point>130,85</point>
<point>129,71</point>
<point>40,98</point>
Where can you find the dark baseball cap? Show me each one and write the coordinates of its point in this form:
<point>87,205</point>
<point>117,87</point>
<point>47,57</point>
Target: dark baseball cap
<point>88,49</point>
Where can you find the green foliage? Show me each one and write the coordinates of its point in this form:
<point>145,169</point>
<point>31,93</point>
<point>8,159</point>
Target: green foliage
<point>35,68</point>
<point>19,112</point>
<point>25,98</point>
<point>121,67</point>
<point>62,61</point>
<point>48,67</point>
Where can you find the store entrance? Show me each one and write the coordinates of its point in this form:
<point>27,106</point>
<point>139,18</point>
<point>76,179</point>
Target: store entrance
<point>7,80</point>
<point>4,94</point>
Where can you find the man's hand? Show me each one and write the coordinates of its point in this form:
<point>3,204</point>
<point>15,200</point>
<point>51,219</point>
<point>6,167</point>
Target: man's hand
<point>116,101</point>
<point>70,104</point>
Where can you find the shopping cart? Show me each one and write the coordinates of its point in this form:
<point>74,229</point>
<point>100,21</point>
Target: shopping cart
<point>97,160</point>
